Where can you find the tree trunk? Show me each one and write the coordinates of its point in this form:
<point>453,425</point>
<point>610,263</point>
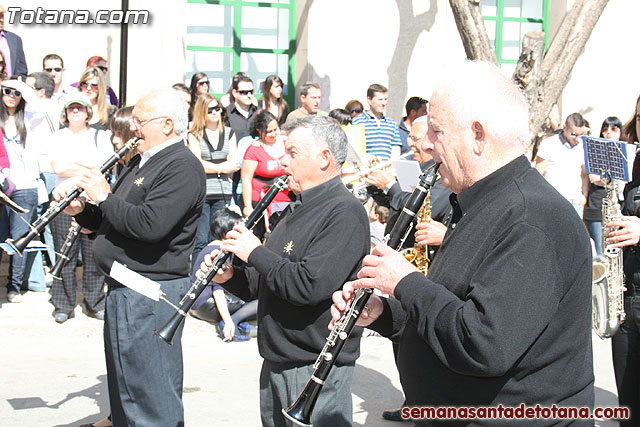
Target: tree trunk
<point>561,57</point>
<point>470,25</point>
<point>542,80</point>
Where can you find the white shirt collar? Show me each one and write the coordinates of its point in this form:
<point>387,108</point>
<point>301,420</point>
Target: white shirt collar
<point>155,150</point>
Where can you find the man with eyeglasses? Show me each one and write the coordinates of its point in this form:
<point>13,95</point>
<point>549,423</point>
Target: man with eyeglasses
<point>147,223</point>
<point>11,48</point>
<point>560,159</point>
<point>54,65</point>
<point>416,107</point>
<point>241,111</point>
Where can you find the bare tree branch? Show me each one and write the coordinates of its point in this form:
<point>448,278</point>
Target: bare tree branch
<point>470,25</point>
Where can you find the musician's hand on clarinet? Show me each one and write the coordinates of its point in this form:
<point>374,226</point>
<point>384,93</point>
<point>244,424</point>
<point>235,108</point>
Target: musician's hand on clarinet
<point>223,274</point>
<point>624,232</point>
<point>241,241</point>
<point>342,298</point>
<point>430,233</point>
<point>94,183</point>
<point>75,207</point>
<point>383,269</point>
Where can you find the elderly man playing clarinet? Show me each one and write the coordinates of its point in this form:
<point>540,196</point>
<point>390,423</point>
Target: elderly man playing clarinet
<point>504,315</point>
<point>148,223</point>
<point>317,245</point>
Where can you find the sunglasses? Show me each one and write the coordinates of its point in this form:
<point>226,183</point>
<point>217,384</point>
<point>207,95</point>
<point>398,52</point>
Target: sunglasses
<point>56,69</point>
<point>214,108</point>
<point>9,91</point>
<point>103,68</point>
<point>204,82</point>
<point>246,92</point>
<point>85,86</point>
<point>355,110</point>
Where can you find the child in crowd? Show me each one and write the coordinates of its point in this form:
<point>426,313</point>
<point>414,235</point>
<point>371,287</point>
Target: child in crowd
<point>215,305</point>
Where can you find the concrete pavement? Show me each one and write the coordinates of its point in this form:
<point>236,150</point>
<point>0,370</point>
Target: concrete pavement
<point>54,375</point>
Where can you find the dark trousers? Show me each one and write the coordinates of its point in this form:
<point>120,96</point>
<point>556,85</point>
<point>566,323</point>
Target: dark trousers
<point>280,385</point>
<point>144,373</point>
<point>626,359</point>
<point>63,292</point>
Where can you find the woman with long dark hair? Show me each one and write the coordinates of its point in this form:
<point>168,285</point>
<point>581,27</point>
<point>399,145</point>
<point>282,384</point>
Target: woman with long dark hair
<point>24,173</point>
<point>273,100</point>
<point>261,165</point>
<point>215,145</point>
<point>199,85</point>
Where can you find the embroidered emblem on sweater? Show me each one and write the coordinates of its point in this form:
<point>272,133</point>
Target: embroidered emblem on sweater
<point>288,247</point>
<point>139,181</point>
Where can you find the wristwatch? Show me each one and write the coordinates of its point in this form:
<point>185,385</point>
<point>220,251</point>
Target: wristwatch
<point>387,187</point>
<point>101,198</point>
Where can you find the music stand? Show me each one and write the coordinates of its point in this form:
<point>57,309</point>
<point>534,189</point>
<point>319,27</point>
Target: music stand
<point>607,158</point>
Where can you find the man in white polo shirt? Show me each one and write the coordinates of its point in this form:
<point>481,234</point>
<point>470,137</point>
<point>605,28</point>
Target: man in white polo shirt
<point>560,160</point>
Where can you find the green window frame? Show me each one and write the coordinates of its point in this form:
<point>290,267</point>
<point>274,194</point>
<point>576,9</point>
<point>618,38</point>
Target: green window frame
<point>236,49</point>
<point>500,20</point>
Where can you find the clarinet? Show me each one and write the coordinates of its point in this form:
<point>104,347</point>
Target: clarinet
<point>169,329</point>
<point>300,411</point>
<point>39,224</point>
<point>63,257</point>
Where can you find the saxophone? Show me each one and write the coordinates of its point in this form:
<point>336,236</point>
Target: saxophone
<point>607,297</point>
<point>419,255</point>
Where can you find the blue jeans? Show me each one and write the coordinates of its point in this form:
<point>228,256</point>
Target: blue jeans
<point>18,224</point>
<point>595,231</point>
<point>203,233</point>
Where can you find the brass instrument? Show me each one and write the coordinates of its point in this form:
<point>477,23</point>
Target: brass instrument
<point>419,255</point>
<point>607,291</point>
<point>55,208</point>
<point>300,411</point>
<point>356,184</point>
<point>167,331</point>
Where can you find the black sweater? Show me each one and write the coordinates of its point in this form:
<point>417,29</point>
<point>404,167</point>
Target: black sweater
<point>311,253</point>
<point>504,315</point>
<point>150,220</point>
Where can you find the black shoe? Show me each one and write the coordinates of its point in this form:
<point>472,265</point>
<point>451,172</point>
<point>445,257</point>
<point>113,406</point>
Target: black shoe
<point>394,415</point>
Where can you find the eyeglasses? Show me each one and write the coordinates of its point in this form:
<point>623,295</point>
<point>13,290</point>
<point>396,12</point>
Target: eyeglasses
<point>11,92</point>
<point>355,110</point>
<point>85,86</point>
<point>246,92</point>
<point>214,108</point>
<point>140,123</point>
<point>77,107</point>
<point>573,134</point>
<point>56,69</point>
<point>204,82</point>
<point>103,68</point>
